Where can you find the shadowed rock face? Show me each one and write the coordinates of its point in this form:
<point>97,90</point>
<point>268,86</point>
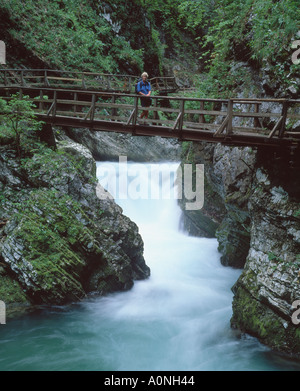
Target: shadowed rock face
<point>58,240</point>
<point>228,177</point>
<point>254,198</point>
<point>109,146</point>
<point>270,282</point>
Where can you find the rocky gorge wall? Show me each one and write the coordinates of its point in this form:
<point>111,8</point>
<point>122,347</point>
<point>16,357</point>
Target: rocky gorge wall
<point>58,240</point>
<point>110,145</point>
<point>252,206</point>
<point>270,282</point>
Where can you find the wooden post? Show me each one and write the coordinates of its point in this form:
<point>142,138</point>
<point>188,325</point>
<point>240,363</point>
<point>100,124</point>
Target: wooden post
<point>55,103</point>
<point>165,84</point>
<point>41,105</point>
<point>93,107</point>
<point>5,78</point>
<point>83,82</point>
<point>46,81</point>
<point>136,107</point>
<point>180,124</point>
<point>22,79</point>
<point>75,99</point>
<point>230,115</point>
<point>284,112</point>
<point>201,116</point>
<point>256,120</point>
<point>155,114</point>
<point>113,101</point>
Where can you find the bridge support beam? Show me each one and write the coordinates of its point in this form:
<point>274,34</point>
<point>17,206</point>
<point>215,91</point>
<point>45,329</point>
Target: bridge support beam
<point>47,135</point>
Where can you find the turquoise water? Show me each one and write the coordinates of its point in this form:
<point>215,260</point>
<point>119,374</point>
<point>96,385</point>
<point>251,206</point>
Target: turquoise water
<point>176,320</point>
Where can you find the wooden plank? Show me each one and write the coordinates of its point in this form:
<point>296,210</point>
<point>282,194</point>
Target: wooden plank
<point>50,109</point>
<point>181,119</point>
<point>197,125</point>
<point>243,129</point>
<point>75,99</point>
<point>93,108</point>
<point>293,116</point>
<point>46,81</point>
<point>257,120</point>
<point>206,112</point>
<point>63,78</point>
<point>278,123</point>
<point>255,115</point>
<point>135,116</point>
<point>177,121</point>
<point>70,114</point>
<point>41,102</point>
<point>34,78</point>
<point>284,112</point>
<point>230,116</point>
<point>201,116</point>
<point>55,102</point>
<point>131,116</point>
<point>293,133</point>
<point>222,127</point>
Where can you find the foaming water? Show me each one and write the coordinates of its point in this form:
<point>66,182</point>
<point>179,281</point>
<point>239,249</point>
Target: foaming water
<point>178,319</point>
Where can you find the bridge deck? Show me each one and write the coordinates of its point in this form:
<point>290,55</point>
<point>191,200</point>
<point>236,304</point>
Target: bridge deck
<point>252,122</point>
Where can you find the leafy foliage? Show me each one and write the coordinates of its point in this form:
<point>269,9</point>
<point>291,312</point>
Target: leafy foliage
<point>118,36</point>
<point>18,115</point>
<point>258,32</point>
<point>69,34</point>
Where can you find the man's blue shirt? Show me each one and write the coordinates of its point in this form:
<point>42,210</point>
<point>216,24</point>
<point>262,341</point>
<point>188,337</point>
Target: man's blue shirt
<point>144,87</point>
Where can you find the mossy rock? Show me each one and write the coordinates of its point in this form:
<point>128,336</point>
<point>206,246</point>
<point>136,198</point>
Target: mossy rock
<point>11,292</point>
<point>234,243</point>
<point>257,319</point>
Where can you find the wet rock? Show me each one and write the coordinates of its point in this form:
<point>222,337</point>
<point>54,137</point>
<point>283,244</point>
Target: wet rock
<point>61,241</point>
<point>108,146</point>
<point>228,178</point>
<point>269,284</point>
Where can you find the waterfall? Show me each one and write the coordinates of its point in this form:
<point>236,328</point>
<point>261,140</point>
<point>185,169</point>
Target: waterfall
<point>178,319</point>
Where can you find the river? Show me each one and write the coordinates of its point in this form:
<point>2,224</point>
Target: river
<point>178,319</point>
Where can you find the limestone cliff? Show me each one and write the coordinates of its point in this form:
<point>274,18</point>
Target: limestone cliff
<point>270,281</point>
<point>228,178</point>
<point>109,145</point>
<point>58,240</point>
<point>253,202</point>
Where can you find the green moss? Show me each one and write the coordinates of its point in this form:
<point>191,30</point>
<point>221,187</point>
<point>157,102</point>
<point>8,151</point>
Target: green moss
<point>257,319</point>
<point>6,135</point>
<point>52,234</point>
<point>69,35</point>
<point>10,291</point>
<point>297,213</point>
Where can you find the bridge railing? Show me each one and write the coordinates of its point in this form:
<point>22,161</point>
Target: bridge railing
<point>39,78</point>
<point>223,118</point>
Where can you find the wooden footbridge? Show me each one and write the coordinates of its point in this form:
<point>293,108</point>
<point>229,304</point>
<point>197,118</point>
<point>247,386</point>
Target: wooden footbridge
<point>239,122</point>
<point>40,78</point>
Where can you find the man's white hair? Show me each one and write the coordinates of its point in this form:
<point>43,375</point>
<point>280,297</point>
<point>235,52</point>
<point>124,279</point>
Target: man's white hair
<point>145,74</point>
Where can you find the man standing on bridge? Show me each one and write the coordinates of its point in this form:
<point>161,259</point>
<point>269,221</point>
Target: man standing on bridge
<point>144,89</point>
